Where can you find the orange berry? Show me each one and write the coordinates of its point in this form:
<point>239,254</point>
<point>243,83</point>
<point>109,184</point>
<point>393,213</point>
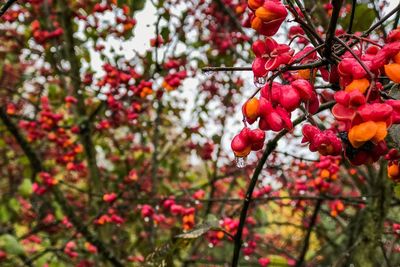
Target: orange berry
<point>360,85</point>
<point>325,173</point>
<point>381,132</point>
<point>243,153</point>
<point>393,72</point>
<point>265,14</point>
<point>254,4</point>
<point>256,23</point>
<point>393,170</point>
<point>220,235</point>
<point>362,133</point>
<point>251,109</point>
<point>304,74</point>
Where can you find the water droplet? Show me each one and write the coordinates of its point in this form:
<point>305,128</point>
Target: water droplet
<point>197,202</point>
<point>259,81</point>
<point>246,258</point>
<point>210,245</point>
<point>146,219</point>
<point>240,162</point>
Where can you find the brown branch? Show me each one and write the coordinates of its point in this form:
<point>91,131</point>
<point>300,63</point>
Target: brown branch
<point>353,11</point>
<point>306,243</point>
<point>85,134</point>
<point>337,4</point>
<point>212,69</point>
<point>34,160</point>
<point>367,70</point>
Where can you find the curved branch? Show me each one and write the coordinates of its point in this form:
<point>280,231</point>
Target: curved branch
<point>306,243</point>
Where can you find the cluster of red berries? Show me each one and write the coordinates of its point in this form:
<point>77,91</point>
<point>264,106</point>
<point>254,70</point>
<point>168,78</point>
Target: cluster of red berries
<point>363,115</point>
<point>46,182</point>
<point>43,36</point>
<point>174,79</point>
<point>49,126</point>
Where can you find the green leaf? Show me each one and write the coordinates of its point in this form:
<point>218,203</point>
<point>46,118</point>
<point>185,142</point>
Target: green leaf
<point>211,223</point>
<point>11,244</point>
<point>14,205</point>
<point>397,191</point>
<point>58,211</point>
<point>363,18</point>
<point>278,261</point>
<point>54,91</point>
<point>25,188</point>
<point>4,214</point>
<point>165,33</point>
<point>138,4</point>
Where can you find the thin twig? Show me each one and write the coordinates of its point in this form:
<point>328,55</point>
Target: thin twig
<point>6,6</point>
<point>353,11</point>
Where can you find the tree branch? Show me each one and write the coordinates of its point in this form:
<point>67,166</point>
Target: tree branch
<point>337,4</point>
<point>306,243</point>
<point>353,11</point>
<point>85,133</point>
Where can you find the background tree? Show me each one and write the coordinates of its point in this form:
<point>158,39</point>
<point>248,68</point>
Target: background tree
<point>114,156</point>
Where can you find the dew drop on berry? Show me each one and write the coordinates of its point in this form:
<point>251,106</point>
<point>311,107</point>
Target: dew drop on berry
<point>259,81</point>
<point>241,162</point>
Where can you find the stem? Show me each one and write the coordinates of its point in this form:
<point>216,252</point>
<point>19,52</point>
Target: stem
<point>353,11</point>
<point>367,70</point>
<point>6,6</point>
<point>211,69</point>
<point>312,35</point>
<point>337,4</point>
